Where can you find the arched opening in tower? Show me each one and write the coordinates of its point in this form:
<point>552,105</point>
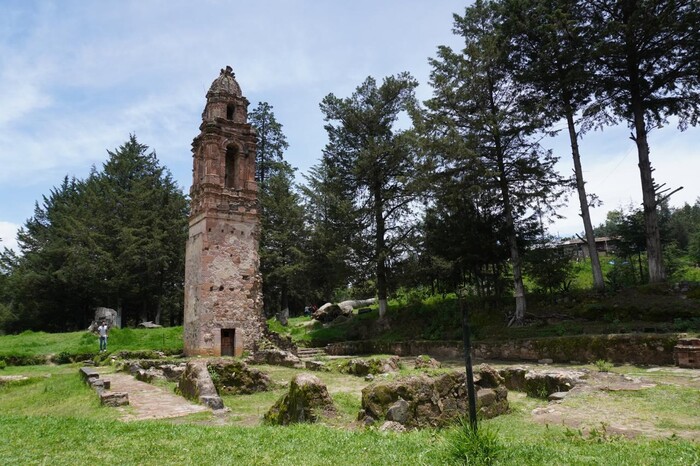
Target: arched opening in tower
<point>231,168</point>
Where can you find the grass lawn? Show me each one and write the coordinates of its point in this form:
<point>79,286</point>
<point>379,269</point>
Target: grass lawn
<point>30,344</point>
<point>55,419</point>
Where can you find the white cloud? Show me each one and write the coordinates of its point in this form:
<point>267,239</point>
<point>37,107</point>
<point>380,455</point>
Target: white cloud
<point>613,175</point>
<point>8,235</point>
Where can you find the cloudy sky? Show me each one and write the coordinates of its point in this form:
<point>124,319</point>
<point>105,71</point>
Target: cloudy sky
<point>77,77</point>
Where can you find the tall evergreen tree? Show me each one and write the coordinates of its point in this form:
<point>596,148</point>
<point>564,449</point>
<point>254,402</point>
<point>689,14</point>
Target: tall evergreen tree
<point>115,239</point>
<point>331,218</point>
<point>648,68</point>
<point>550,53</point>
<point>492,120</point>
<point>145,228</point>
<point>271,141</point>
<point>375,160</point>
<point>283,236</point>
<point>283,241</point>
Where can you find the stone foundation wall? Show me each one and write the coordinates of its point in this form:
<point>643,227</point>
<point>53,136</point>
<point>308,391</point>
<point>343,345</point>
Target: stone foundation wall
<point>628,348</point>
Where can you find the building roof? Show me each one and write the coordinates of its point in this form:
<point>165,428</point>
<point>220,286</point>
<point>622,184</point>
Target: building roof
<point>225,84</point>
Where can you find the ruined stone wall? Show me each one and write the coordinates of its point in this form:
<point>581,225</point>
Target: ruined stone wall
<point>627,348</point>
<point>223,284</point>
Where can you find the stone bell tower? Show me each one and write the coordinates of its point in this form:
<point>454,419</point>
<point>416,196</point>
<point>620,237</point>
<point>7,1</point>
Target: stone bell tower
<point>223,298</point>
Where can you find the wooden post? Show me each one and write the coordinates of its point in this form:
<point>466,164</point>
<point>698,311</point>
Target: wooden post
<point>466,340</point>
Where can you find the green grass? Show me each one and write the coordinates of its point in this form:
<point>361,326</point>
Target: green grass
<point>52,391</point>
<point>28,345</point>
<point>56,420</point>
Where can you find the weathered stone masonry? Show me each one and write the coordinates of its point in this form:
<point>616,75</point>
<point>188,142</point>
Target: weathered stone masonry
<point>223,298</point>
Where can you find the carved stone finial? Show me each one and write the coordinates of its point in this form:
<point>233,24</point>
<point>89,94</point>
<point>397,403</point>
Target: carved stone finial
<point>228,71</point>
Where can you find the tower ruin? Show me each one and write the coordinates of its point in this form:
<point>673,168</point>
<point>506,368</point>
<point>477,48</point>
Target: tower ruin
<point>223,285</point>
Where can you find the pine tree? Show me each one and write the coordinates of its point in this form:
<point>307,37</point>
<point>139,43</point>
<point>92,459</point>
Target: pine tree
<point>647,56</point>
<point>271,141</point>
<point>375,161</point>
<point>490,121</point>
<point>549,52</point>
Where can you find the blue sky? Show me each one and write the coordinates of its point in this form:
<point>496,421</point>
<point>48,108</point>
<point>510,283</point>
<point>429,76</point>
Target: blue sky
<point>77,77</point>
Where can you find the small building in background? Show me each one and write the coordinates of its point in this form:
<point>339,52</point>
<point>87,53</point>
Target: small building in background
<point>579,249</point>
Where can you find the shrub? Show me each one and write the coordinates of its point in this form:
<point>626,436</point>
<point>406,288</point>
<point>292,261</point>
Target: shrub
<point>3,364</point>
<point>467,445</point>
<point>603,365</point>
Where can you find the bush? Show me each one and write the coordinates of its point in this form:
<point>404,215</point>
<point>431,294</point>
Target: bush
<point>3,364</point>
<point>467,445</point>
<point>603,365</point>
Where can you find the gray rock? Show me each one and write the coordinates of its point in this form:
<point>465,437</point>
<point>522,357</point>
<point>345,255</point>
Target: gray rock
<point>277,357</point>
<point>319,366</point>
<point>426,362</point>
<point>392,426</point>
<point>307,401</point>
<point>196,383</point>
<point>545,361</point>
<point>398,411</point>
<point>173,372</point>
<point>422,401</point>
<point>236,378</point>
<point>557,396</point>
<point>541,384</point>
<point>114,398</point>
<point>212,402</point>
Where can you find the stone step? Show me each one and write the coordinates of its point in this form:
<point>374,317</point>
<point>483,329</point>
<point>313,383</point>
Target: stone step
<point>310,353</point>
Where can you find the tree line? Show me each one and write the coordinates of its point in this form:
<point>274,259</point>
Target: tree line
<point>451,193</point>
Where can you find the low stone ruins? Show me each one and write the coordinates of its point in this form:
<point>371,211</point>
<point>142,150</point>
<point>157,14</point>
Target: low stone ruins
<point>424,401</point>
<point>687,353</point>
<point>307,401</point>
<point>102,387</point>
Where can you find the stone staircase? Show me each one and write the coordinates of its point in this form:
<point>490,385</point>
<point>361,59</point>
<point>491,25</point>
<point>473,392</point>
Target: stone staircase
<point>309,354</point>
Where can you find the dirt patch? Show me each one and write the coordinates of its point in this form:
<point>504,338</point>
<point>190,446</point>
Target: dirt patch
<point>627,405</point>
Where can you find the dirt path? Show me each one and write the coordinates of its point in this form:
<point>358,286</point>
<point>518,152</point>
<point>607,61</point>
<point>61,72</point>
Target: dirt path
<point>148,401</point>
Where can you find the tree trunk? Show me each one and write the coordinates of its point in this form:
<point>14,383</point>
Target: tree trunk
<point>598,282</point>
<point>381,250</point>
<point>657,273</point>
<point>516,263</point>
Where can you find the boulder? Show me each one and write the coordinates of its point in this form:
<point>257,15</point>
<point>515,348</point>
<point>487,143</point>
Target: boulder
<point>541,384</point>
<point>149,375</point>
<point>114,398</point>
<point>196,383</point>
<point>106,315</point>
<point>423,401</point>
<point>235,377</point>
<point>514,377</point>
<point>329,312</point>
<point>319,366</point>
<point>398,411</point>
<point>392,426</point>
<point>307,401</point>
<point>362,367</point>
<point>149,324</point>
<point>356,366</point>
<point>173,372</point>
<point>489,377</point>
<point>426,362</point>
<point>276,357</point>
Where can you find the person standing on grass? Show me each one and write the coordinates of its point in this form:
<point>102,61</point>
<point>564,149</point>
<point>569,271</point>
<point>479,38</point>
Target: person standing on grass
<point>102,331</point>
